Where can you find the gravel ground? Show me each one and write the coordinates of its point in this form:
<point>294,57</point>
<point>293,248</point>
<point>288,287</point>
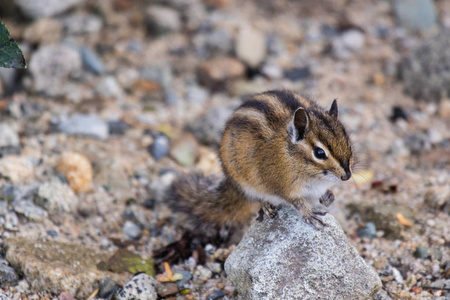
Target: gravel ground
<point>120,96</point>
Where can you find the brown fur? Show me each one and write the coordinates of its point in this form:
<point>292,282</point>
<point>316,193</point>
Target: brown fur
<point>257,151</point>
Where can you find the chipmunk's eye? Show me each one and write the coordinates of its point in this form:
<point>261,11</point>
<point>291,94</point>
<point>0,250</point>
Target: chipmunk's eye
<point>319,153</point>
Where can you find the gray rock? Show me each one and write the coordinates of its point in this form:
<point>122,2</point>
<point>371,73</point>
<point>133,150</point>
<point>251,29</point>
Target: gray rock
<point>108,288</point>
<point>82,24</point>
<point>140,287</point>
<point>109,87</point>
<point>131,230</point>
<point>348,43</point>
<point>196,94</point>
<point>369,231</point>
<point>85,125</point>
<point>11,221</point>
<point>8,276</point>
<point>426,71</point>
<point>217,294</point>
<point>162,19</point>
<point>251,46</point>
<point>45,8</point>
<point>51,66</point>
<point>202,274</point>
<point>56,197</point>
<point>209,127</point>
<point>92,61</point>
<point>8,137</point>
<point>19,192</point>
<point>415,15</point>
<point>29,210</point>
<point>160,146</point>
<point>286,258</point>
<point>381,295</point>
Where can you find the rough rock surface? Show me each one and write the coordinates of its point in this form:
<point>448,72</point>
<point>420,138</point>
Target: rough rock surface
<point>285,258</point>
<point>140,287</point>
<point>56,267</point>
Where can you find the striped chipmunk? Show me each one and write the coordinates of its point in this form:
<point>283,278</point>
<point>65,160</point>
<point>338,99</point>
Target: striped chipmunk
<point>277,148</point>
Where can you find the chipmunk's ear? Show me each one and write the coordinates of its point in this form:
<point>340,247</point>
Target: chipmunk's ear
<point>300,124</point>
<point>334,109</point>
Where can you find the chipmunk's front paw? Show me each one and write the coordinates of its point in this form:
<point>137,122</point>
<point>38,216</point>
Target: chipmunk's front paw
<point>327,199</point>
<point>269,210</point>
<point>314,218</point>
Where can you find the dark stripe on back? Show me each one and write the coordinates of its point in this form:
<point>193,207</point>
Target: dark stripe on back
<point>324,120</point>
<point>287,98</point>
<point>243,123</point>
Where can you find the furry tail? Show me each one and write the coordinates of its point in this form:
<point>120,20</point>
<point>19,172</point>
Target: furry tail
<point>210,202</point>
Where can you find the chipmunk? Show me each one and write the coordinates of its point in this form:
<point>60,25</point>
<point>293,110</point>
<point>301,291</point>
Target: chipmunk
<point>277,148</point>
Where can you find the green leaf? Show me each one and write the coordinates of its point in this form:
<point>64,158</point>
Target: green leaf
<point>10,54</point>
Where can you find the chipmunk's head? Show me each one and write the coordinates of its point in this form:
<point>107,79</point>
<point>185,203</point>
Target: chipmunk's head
<point>321,143</point>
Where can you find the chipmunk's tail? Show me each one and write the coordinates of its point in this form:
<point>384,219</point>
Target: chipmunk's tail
<point>211,203</point>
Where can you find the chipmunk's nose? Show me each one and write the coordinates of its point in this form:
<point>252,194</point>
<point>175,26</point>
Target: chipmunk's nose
<point>347,175</point>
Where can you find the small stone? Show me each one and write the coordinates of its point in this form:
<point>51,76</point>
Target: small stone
<point>162,19</point>
<point>17,169</point>
<point>415,15</point>
<point>251,46</point>
<point>78,24</point>
<point>77,169</point>
<point>140,287</point>
<point>215,267</point>
<point>167,289</point>
<point>369,231</point>
<point>66,296</point>
<point>434,136</point>
<point>296,74</point>
<point>272,71</point>
<point>421,252</point>
<point>131,230</point>
<point>51,66</point>
<point>8,137</point>
<point>218,70</point>
<point>186,277</point>
<point>44,31</point>
<point>8,276</point>
<point>349,42</point>
<point>217,294</point>
<point>202,274</point>
<point>11,221</point>
<point>196,94</point>
<point>84,125</point>
<point>113,174</point>
<point>109,87</point>
<point>56,197</point>
<point>117,127</point>
<point>45,8</point>
<point>438,198</point>
<point>185,150</point>
<point>108,288</point>
<point>160,146</point>
<point>92,61</point>
<point>444,109</point>
<point>28,209</point>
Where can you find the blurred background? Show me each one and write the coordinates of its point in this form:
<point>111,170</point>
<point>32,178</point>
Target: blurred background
<point>119,96</point>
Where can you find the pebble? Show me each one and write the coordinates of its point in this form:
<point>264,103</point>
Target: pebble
<point>160,146</point>
<point>215,267</point>
<point>45,8</point>
<point>29,210</point>
<point>11,221</point>
<point>217,294</point>
<point>218,70</point>
<point>56,197</point>
<point>16,168</point>
<point>140,287</point>
<point>8,276</point>
<point>66,296</point>
<point>109,87</point>
<point>438,198</point>
<point>117,127</point>
<point>272,71</point>
<point>202,274</point>
<point>131,230</point>
<point>51,66</point>
<point>415,15</point>
<point>167,289</point>
<point>92,61</point>
<point>196,94</point>
<point>421,252</point>
<point>161,20</point>
<point>369,231</point>
<point>8,137</point>
<point>251,46</point>
<point>218,41</point>
<point>296,74</point>
<point>349,42</point>
<point>84,125</point>
<point>44,31</point>
<point>78,24</point>
<point>108,288</point>
<point>186,277</point>
<point>185,150</point>
<point>77,169</point>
